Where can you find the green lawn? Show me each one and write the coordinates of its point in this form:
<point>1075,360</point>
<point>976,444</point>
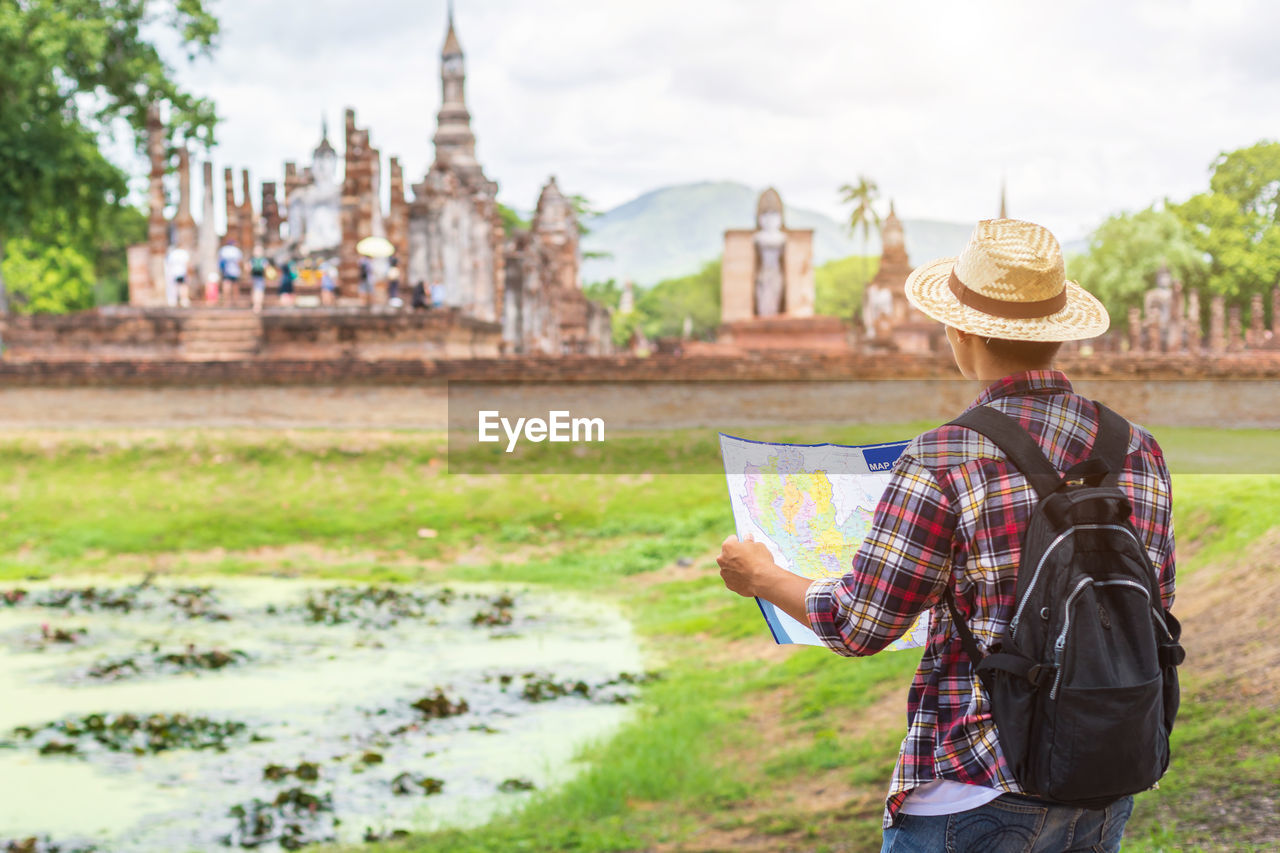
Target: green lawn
<point>731,742</point>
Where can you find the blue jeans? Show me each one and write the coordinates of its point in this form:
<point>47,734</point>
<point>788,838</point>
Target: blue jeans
<point>1012,824</point>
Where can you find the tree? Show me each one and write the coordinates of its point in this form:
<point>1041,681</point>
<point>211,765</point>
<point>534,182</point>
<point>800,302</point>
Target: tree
<point>511,221</point>
<point>1237,222</point>
<point>839,285</point>
<point>583,208</point>
<point>663,307</point>
<point>75,71</point>
<point>863,216</point>
<point>1126,251</point>
<point>48,278</point>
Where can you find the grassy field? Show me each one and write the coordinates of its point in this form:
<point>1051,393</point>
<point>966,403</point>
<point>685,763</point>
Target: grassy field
<point>742,745</point>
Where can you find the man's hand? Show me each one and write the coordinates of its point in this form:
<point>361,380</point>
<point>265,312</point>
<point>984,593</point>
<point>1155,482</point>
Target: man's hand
<point>746,566</point>
<point>748,569</point>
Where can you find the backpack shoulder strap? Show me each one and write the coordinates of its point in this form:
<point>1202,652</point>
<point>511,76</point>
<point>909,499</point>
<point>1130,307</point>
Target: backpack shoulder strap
<point>1016,443</point>
<point>1111,445</point>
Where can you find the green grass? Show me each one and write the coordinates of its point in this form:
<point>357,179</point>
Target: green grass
<point>696,756</point>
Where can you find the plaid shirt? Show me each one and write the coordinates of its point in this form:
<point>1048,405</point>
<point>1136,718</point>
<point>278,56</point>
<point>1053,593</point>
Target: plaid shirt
<point>953,515</point>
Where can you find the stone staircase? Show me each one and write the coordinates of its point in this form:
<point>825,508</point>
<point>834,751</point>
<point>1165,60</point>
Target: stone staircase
<point>221,335</point>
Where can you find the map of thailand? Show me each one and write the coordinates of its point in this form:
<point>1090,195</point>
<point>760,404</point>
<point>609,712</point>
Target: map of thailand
<point>812,506</point>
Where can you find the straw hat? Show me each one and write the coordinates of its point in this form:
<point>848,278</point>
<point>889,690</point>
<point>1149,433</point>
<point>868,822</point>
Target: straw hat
<point>1009,282</point>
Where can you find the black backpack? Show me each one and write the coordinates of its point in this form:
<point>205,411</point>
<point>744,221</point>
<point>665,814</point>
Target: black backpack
<point>1083,684</point>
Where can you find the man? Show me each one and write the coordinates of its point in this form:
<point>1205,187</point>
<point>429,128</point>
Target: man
<point>952,519</point>
<point>177,265</point>
<point>229,258</point>
<point>258,266</point>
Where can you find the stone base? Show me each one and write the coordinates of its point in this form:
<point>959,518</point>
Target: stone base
<point>826,334</point>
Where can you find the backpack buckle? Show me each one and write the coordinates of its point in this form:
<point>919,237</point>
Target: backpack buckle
<point>1172,654</point>
<point>1041,675</point>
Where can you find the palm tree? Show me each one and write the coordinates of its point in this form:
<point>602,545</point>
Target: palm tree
<point>864,216</point>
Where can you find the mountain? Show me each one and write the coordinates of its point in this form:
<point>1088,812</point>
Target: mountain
<point>673,231</point>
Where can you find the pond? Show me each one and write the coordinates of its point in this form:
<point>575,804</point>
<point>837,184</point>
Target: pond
<point>270,713</point>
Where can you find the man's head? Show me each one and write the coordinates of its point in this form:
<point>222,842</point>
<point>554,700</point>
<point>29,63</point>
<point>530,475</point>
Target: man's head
<point>1005,300</point>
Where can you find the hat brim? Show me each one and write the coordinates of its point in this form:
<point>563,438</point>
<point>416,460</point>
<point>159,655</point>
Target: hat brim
<point>929,289</point>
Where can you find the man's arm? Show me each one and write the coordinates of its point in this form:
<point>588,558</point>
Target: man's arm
<point>749,570</point>
<point>900,571</point>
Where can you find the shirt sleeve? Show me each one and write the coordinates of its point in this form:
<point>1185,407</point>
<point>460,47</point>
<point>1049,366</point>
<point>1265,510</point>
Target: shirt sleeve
<point>900,570</point>
<point>1166,569</point>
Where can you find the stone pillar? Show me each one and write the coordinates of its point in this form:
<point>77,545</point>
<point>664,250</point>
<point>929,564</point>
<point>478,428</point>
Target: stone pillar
<point>1217,324</point>
<point>184,222</point>
<point>248,221</point>
<point>1175,340</point>
<point>1195,335</point>
<point>348,259</point>
<point>1135,330</point>
<point>1256,336</point>
<point>1153,334</point>
<point>398,217</point>
<point>1235,330</point>
<point>270,218</point>
<point>1275,314</point>
<point>207,251</point>
<point>157,228</point>
<point>233,211</point>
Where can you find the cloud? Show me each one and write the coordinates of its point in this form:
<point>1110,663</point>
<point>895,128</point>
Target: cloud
<point>1083,108</point>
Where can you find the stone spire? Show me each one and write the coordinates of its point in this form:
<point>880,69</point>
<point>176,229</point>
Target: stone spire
<point>1004,212</point>
<point>454,141</point>
<point>893,242</point>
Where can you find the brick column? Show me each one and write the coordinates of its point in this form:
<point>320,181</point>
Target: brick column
<point>1217,324</point>
<point>248,221</point>
<point>1256,328</point>
<point>157,228</point>
<point>1195,336</point>
<point>1235,330</point>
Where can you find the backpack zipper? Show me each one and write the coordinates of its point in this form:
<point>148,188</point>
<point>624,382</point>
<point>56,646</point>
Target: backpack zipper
<point>1017,615</point>
<point>1061,642</point>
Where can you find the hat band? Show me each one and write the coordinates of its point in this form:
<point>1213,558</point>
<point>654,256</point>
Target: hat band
<point>1007,310</point>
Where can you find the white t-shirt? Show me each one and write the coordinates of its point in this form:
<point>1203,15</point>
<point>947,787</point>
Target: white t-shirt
<point>942,796</point>
<point>177,262</point>
<point>230,256</point>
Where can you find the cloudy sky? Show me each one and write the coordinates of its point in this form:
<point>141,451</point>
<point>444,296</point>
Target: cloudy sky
<point>1083,109</point>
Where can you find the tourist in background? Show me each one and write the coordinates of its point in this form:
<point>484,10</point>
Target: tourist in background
<point>229,259</point>
<point>328,283</point>
<point>393,284</point>
<point>366,282</point>
<point>437,294</point>
<point>288,275</point>
<point>419,297</point>
<point>177,265</point>
<point>258,274</point>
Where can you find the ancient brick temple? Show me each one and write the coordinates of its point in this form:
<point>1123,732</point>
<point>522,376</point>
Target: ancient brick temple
<point>524,288</point>
<point>545,310</point>
<point>889,321</point>
<point>767,287</point>
<point>455,233</point>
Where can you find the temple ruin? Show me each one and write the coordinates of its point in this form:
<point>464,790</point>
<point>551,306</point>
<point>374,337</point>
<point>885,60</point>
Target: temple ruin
<point>448,238</point>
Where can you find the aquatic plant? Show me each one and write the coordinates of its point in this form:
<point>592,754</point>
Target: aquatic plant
<point>140,735</point>
<point>187,660</point>
<point>372,606</point>
<point>413,783</point>
<point>43,844</point>
<point>438,706</point>
<point>294,819</point>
